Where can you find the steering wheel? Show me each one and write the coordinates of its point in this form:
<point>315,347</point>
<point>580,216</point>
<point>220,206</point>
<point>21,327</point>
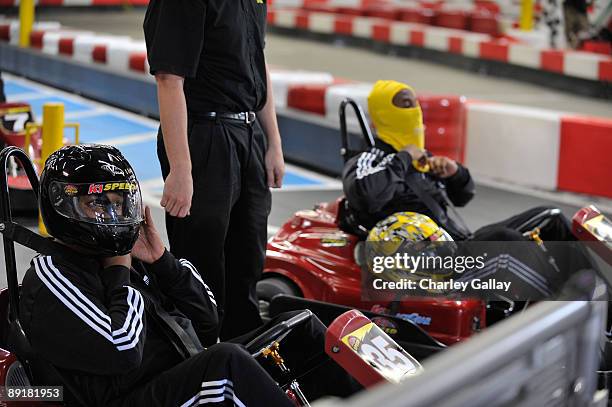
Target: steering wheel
<point>276,333</point>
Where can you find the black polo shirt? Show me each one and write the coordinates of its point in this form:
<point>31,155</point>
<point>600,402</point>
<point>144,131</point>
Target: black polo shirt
<point>216,45</point>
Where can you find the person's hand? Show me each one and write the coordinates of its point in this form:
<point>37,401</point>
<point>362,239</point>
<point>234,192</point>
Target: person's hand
<point>443,167</point>
<point>275,167</point>
<point>178,191</point>
<point>417,154</point>
<point>125,261</point>
<point>149,246</point>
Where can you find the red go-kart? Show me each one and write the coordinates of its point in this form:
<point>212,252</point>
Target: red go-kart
<point>313,258</point>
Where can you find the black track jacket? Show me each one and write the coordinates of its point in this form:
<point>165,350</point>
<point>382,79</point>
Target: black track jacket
<point>110,330</point>
<point>377,184</point>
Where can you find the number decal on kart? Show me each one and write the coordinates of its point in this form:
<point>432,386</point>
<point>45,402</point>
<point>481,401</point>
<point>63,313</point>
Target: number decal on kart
<point>392,356</point>
<point>19,120</point>
<point>382,353</point>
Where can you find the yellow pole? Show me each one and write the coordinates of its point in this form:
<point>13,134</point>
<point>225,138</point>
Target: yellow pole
<point>526,22</point>
<point>52,138</point>
<point>26,21</point>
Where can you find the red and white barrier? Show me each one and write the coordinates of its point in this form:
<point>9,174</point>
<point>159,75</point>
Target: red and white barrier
<point>78,3</point>
<point>541,149</point>
<point>528,147</point>
<point>584,155</point>
<point>578,64</point>
<point>13,29</point>
<point>118,54</point>
<point>283,80</point>
<point>337,93</point>
<point>56,42</point>
<point>524,146</point>
<point>92,48</point>
<point>513,144</point>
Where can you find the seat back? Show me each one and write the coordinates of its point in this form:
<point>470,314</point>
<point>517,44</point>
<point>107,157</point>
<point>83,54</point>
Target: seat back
<point>348,221</point>
<point>366,133</point>
<point>13,120</point>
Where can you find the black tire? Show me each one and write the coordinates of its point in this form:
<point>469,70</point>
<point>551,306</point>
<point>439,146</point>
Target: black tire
<point>268,288</point>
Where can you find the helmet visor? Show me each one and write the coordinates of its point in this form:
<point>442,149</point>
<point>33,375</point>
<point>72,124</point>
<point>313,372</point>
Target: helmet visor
<point>107,203</point>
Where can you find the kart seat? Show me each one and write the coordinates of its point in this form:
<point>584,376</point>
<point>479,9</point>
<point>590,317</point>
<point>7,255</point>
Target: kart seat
<point>23,366</point>
<point>277,332</point>
<point>539,220</point>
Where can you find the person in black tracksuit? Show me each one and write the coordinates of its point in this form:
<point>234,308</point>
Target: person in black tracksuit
<point>404,177</point>
<point>386,179</point>
<point>127,329</point>
<point>213,82</point>
<point>72,315</point>
<point>377,183</point>
<point>380,182</point>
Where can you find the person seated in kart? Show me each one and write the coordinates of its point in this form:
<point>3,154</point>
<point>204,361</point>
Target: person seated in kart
<point>398,174</point>
<point>125,322</point>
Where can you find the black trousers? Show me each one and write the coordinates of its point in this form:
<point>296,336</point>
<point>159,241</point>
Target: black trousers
<point>304,353</point>
<point>225,234</point>
<point>558,229</point>
<point>563,257</point>
<point>2,95</point>
<point>223,375</point>
<point>226,374</point>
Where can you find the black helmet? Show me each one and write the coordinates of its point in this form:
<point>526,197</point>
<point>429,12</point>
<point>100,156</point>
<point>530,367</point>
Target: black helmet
<point>90,198</point>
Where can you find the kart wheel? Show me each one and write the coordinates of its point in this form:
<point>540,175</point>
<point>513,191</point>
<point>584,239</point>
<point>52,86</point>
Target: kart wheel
<point>269,288</point>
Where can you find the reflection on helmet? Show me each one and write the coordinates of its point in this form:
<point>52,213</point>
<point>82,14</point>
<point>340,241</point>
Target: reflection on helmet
<point>105,208</point>
<point>410,237</point>
<point>90,198</point>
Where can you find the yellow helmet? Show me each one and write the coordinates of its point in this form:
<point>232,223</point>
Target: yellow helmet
<point>411,234</point>
<point>408,226</point>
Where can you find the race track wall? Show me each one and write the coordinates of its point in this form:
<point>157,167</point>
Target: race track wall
<point>524,146</point>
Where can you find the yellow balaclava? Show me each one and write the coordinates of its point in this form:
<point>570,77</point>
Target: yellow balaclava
<point>396,126</point>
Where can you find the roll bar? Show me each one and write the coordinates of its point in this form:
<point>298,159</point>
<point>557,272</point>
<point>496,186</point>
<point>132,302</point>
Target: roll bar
<point>6,216</point>
<point>366,133</point>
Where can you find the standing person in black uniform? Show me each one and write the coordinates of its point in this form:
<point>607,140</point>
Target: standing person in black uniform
<point>211,73</point>
<point>122,320</point>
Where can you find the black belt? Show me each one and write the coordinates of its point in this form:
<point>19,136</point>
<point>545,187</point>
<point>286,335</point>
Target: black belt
<point>244,117</point>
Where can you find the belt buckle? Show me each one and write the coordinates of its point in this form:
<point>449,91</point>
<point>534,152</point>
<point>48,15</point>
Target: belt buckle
<point>248,119</point>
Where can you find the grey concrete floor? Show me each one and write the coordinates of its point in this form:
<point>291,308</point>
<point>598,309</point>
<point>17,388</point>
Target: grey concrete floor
<point>360,65</point>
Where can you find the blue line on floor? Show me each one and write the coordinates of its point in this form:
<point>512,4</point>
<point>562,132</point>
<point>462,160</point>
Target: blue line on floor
<point>69,106</point>
<point>143,157</point>
<point>12,88</point>
<point>110,126</point>
<point>292,178</point>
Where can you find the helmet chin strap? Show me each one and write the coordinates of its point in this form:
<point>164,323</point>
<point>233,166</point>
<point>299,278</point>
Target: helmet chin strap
<point>79,249</point>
